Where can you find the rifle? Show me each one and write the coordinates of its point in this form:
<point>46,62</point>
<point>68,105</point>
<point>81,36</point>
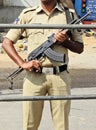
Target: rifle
<point>45,50</point>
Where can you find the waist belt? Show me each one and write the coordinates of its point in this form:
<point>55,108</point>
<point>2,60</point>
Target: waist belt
<point>54,70</point>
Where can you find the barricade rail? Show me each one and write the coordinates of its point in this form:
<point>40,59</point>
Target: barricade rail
<point>46,26</point>
<point>36,98</point>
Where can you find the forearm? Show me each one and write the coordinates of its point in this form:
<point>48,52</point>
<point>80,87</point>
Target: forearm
<point>74,46</point>
<point>10,50</point>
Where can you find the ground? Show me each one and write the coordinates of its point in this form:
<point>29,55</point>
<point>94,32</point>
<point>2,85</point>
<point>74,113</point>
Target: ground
<point>86,60</point>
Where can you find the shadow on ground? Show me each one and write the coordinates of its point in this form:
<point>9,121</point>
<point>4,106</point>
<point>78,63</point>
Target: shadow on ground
<point>5,83</point>
<point>81,78</point>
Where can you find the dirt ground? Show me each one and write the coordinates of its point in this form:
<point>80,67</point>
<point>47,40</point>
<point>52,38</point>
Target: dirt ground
<point>86,60</point>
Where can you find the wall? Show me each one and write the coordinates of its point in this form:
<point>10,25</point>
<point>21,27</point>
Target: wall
<point>12,13</point>
<point>1,2</point>
<point>12,9</point>
<point>10,16</point>
<point>20,2</point>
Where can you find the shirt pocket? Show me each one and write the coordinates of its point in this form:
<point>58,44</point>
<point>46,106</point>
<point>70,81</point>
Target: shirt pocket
<point>35,32</point>
<point>35,37</point>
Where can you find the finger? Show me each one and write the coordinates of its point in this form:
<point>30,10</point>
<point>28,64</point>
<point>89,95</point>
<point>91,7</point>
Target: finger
<point>30,70</point>
<point>61,38</point>
<point>38,70</point>
<point>37,66</point>
<point>40,64</point>
<point>60,35</point>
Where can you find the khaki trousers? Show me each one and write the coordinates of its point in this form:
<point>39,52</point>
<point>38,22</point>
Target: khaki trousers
<point>36,84</point>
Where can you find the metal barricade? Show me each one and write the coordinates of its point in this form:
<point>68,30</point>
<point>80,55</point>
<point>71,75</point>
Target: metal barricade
<point>37,98</point>
<point>47,26</point>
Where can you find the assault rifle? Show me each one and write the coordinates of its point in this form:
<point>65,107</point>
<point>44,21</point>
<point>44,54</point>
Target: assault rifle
<point>45,50</point>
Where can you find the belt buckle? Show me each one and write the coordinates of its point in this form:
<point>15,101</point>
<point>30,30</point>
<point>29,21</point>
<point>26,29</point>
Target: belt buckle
<point>48,70</point>
<point>57,69</point>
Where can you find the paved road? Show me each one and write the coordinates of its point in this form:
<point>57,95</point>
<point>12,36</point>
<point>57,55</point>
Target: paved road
<point>81,78</point>
<point>82,114</point>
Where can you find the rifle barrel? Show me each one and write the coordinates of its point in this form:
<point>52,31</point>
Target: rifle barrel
<point>82,18</point>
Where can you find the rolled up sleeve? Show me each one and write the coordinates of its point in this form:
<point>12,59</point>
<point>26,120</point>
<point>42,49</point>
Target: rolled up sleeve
<point>77,36</point>
<point>14,34</point>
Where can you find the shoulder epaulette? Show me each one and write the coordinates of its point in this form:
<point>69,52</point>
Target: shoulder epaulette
<point>71,10</point>
<point>29,9</point>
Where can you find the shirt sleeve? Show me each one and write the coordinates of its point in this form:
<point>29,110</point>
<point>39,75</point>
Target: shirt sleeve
<point>77,35</point>
<point>14,34</point>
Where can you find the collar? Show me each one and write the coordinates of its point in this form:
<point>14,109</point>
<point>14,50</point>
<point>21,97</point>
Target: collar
<point>39,9</point>
<point>58,7</point>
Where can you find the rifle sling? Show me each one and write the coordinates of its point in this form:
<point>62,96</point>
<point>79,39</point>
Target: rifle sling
<point>68,17</point>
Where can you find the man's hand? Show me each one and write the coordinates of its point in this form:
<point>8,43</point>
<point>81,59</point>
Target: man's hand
<point>67,42</point>
<point>61,36</point>
<point>32,65</point>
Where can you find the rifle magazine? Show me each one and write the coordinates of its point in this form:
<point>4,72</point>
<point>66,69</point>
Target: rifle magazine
<point>54,55</point>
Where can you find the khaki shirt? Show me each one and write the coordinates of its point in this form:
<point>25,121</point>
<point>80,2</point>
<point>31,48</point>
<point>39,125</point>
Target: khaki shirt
<point>37,36</point>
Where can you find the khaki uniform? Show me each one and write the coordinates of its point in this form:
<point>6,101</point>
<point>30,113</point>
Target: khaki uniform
<point>37,84</point>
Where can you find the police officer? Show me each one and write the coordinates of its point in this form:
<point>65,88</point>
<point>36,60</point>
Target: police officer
<point>49,77</point>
